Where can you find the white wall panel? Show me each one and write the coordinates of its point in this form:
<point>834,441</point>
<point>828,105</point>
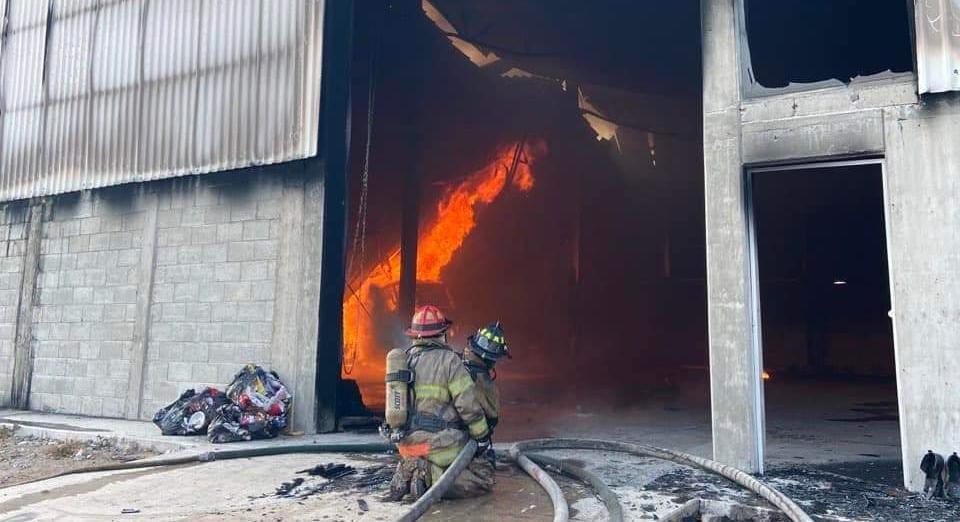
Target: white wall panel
<point>102,92</point>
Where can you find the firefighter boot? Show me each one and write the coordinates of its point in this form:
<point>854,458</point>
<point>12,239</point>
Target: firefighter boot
<point>400,483</point>
<point>420,480</point>
<point>953,477</point>
<point>932,466</point>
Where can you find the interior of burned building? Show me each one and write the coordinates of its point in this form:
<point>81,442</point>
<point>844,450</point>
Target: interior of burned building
<point>824,303</point>
<point>542,163</point>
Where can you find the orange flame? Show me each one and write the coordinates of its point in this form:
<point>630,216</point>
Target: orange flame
<point>438,243</point>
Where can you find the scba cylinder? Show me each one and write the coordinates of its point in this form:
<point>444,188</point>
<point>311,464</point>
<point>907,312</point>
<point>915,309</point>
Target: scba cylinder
<point>398,388</point>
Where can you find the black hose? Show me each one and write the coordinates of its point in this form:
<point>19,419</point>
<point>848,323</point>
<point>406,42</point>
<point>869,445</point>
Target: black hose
<point>209,456</point>
<point>440,487</point>
<point>607,496</point>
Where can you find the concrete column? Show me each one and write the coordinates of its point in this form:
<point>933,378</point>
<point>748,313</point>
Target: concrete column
<point>141,327</point>
<point>922,189</point>
<point>735,381</point>
<point>298,296</point>
<point>23,344</point>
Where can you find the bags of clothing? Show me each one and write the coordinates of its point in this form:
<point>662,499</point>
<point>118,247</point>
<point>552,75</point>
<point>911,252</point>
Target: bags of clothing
<point>191,413</point>
<point>258,407</point>
<point>254,406</point>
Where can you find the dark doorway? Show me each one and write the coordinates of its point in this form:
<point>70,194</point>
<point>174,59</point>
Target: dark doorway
<point>824,295</point>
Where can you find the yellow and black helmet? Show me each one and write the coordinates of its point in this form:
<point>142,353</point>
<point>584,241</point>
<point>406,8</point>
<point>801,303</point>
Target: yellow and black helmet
<point>490,343</point>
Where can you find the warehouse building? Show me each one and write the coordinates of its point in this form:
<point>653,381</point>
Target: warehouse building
<point>735,215</point>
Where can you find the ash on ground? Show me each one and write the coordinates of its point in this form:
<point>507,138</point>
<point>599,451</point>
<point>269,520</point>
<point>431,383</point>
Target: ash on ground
<point>859,491</point>
<point>333,477</point>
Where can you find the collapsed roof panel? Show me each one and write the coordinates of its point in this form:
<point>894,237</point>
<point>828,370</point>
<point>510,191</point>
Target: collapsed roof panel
<point>640,46</point>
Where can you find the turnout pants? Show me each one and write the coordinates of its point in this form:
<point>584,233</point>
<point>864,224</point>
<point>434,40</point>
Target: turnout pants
<point>415,475</point>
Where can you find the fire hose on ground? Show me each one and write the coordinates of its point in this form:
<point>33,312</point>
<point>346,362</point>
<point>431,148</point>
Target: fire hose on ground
<point>228,454</point>
<point>610,500</point>
<point>417,510</point>
<point>561,513</point>
<point>742,478</point>
<point>436,492</point>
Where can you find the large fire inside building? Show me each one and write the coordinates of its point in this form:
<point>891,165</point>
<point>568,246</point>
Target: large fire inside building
<point>552,193</point>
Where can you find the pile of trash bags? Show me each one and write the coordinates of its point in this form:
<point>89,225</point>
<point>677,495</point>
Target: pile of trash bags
<point>192,413</point>
<point>254,406</point>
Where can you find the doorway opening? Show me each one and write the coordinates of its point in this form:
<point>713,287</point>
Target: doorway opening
<point>830,384</point>
<point>535,169</point>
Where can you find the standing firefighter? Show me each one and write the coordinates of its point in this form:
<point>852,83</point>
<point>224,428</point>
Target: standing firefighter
<point>484,350</point>
<point>432,411</point>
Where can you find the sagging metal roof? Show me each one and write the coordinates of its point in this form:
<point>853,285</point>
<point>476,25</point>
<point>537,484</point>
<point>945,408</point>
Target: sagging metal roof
<point>938,45</point>
<point>102,92</point>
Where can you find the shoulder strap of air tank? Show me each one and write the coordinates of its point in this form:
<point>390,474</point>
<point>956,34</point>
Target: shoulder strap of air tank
<point>475,369</point>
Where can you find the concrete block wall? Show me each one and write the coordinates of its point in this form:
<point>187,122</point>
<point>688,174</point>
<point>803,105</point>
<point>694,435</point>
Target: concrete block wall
<point>85,310</point>
<point>145,290</point>
<point>13,220</point>
<point>214,286</point>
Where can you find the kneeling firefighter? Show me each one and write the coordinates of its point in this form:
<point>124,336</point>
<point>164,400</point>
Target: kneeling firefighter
<point>484,350</point>
<point>432,411</point>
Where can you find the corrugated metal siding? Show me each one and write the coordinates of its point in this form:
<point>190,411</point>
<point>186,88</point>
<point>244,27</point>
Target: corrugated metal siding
<point>101,92</point>
<point>938,45</point>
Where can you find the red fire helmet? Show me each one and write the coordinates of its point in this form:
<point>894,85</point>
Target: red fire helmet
<point>428,321</point>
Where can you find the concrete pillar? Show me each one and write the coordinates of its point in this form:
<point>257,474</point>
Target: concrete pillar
<point>298,291</point>
<point>141,327</point>
<point>735,380</point>
<point>923,187</point>
<point>23,344</point>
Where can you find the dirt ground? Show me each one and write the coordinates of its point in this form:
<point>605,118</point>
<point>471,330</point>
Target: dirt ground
<point>23,459</point>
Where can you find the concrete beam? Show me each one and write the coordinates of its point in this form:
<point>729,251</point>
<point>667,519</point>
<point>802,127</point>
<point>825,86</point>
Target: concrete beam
<point>735,381</point>
<point>820,102</point>
<point>828,136</point>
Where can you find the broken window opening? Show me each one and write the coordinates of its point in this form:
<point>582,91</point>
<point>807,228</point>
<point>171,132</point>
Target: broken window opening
<point>823,42</point>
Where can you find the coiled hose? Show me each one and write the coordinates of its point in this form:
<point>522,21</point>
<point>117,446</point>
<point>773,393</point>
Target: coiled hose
<point>778,499</point>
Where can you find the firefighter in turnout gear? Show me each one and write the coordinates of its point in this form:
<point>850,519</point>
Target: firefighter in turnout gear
<point>444,413</point>
<point>484,350</point>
